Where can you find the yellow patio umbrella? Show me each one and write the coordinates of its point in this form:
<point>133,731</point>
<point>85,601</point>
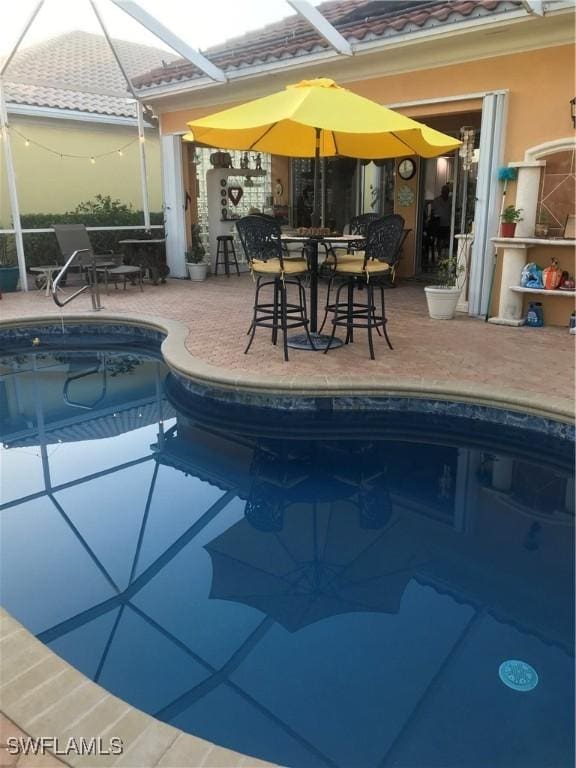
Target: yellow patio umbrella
<point>318,118</point>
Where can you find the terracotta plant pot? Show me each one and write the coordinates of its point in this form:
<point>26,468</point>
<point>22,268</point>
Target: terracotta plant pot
<point>507,228</point>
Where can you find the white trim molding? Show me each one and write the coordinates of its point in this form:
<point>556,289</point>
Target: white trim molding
<point>549,148</point>
<point>51,113</point>
<point>177,44</point>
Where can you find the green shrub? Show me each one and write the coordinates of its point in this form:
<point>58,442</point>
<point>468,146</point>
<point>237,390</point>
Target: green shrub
<point>102,211</point>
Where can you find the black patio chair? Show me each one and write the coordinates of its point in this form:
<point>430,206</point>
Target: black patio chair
<point>260,238</point>
<point>368,272</point>
<point>357,226</point>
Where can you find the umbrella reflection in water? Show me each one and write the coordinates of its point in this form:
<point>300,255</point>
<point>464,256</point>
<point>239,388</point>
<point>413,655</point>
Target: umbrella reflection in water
<point>310,548</point>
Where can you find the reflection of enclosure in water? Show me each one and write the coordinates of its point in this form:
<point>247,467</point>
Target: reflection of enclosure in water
<point>220,538</point>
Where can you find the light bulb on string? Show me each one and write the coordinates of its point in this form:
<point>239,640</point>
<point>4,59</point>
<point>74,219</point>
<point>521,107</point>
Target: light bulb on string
<point>120,153</point>
<point>27,143</point>
<point>141,139</point>
<point>93,161</point>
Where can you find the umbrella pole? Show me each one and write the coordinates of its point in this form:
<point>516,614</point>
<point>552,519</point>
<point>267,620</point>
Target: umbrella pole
<point>316,206</point>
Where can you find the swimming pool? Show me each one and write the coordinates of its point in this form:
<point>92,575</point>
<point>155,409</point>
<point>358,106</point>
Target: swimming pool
<point>321,587</point>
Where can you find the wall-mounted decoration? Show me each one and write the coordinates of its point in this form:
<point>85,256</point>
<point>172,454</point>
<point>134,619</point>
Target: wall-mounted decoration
<point>224,213</point>
<point>221,159</point>
<point>235,194</point>
<point>223,182</point>
<point>223,193</point>
<point>405,196</point>
<point>406,168</point>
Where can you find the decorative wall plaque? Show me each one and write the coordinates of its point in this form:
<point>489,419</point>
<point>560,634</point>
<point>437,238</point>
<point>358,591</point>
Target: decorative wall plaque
<point>405,196</point>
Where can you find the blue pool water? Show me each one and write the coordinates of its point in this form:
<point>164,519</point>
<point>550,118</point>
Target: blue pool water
<point>315,589</point>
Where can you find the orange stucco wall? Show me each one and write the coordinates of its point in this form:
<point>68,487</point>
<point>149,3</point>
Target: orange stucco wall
<point>541,84</point>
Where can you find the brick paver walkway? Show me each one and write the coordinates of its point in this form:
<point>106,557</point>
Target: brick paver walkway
<point>464,350</point>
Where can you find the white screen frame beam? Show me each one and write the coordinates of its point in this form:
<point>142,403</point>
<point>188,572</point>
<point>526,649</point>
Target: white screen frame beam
<point>322,26</point>
<point>163,33</point>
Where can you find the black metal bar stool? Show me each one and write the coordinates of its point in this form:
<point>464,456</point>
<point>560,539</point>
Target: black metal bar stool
<point>260,238</point>
<point>368,273</point>
<point>225,250</point>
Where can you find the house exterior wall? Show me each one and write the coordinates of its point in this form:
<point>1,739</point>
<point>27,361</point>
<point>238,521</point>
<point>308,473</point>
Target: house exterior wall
<point>539,83</point>
<point>48,184</point>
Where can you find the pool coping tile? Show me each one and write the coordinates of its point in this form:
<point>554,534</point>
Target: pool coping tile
<point>86,705</point>
<point>222,381</point>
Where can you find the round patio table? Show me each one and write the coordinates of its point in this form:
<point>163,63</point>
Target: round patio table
<point>311,243</point>
<point>147,254</point>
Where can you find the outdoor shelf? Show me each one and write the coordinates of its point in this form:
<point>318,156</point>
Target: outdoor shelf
<point>544,291</point>
<point>511,241</point>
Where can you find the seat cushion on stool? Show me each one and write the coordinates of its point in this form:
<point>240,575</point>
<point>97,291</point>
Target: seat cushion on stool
<point>352,265</point>
<point>350,258</point>
<point>272,267</point>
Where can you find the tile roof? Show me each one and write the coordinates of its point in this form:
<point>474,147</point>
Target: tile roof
<point>357,20</point>
<point>77,70</point>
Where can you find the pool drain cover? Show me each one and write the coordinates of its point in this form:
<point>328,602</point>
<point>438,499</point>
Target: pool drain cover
<point>518,675</point>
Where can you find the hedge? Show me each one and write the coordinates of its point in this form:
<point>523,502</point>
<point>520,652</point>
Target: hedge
<point>42,248</point>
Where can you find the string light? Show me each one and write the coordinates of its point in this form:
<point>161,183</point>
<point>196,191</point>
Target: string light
<point>141,139</point>
<point>119,151</point>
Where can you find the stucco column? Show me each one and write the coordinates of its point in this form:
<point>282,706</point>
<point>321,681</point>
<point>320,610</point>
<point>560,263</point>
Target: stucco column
<point>510,304</point>
<point>527,188</point>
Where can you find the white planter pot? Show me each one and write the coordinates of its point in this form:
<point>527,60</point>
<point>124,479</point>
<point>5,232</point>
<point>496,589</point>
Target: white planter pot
<point>442,301</point>
<point>197,272</point>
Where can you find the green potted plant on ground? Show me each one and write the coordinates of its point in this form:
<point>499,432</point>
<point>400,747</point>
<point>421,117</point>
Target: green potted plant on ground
<point>442,298</point>
<point>9,272</point>
<point>510,217</point>
<point>196,257</point>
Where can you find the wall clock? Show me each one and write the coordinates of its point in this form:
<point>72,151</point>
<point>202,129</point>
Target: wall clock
<point>406,168</point>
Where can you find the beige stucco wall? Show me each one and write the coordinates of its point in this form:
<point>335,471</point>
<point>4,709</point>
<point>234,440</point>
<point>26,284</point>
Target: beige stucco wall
<point>48,184</point>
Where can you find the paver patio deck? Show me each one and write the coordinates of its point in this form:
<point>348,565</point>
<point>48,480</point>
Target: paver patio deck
<point>466,352</point>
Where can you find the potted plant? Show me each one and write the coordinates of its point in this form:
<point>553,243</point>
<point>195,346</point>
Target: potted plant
<point>442,298</point>
<point>9,272</point>
<point>196,257</point>
<point>510,217</point>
